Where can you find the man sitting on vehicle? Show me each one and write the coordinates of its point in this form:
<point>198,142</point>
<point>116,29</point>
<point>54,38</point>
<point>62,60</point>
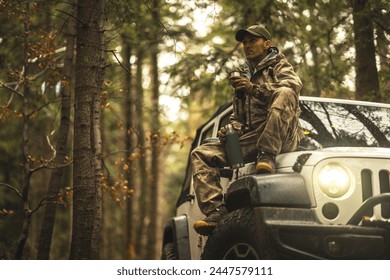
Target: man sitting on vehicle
<point>265,114</point>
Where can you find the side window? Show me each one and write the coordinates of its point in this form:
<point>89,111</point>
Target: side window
<point>207,133</point>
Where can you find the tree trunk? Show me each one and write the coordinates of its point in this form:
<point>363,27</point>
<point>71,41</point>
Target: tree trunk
<point>55,180</point>
<point>26,166</point>
<point>97,149</point>
<point>144,180</point>
<point>367,81</point>
<point>129,145</point>
<point>155,139</point>
<point>316,70</point>
<point>87,200</point>
<point>383,52</point>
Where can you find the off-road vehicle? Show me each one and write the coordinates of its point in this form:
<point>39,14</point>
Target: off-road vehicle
<point>330,199</point>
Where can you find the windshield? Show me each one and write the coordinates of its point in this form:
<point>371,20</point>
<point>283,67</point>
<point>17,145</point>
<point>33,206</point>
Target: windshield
<point>347,125</point>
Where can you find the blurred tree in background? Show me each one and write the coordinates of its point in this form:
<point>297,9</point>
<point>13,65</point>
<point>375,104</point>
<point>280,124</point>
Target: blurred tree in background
<point>165,72</point>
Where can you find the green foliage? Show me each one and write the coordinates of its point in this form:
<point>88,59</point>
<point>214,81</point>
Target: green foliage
<point>316,36</point>
<point>43,77</point>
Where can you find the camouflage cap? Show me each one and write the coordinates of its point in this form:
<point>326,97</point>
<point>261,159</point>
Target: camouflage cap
<point>256,30</point>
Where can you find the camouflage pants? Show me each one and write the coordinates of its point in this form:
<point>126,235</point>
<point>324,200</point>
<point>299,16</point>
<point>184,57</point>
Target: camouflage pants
<point>279,133</point>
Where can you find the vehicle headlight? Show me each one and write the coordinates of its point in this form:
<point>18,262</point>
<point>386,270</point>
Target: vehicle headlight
<point>334,180</point>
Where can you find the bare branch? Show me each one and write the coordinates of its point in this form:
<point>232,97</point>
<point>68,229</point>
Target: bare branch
<point>47,166</point>
<point>43,106</point>
<point>43,165</point>
<point>14,90</point>
<point>11,89</point>
<point>163,25</point>
<point>60,165</point>
<point>11,188</point>
<point>120,63</point>
<point>39,74</point>
<point>70,15</point>
<point>45,200</point>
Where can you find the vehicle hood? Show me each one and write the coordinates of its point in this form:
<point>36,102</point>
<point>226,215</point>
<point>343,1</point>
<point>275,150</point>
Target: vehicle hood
<point>313,157</point>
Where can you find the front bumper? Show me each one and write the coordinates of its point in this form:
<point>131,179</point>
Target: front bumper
<point>286,215</point>
<point>295,234</point>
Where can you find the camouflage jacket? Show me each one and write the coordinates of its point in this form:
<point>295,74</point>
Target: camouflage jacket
<point>273,72</point>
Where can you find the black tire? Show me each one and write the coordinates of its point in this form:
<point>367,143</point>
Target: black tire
<point>236,237</point>
<point>169,252</point>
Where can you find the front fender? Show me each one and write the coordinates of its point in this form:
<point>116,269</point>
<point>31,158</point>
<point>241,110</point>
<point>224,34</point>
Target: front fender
<point>280,189</point>
<point>176,231</point>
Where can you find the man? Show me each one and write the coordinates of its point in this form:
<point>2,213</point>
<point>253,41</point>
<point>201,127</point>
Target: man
<point>265,114</point>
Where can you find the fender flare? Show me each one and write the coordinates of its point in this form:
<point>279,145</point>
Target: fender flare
<point>176,231</point>
<point>279,189</point>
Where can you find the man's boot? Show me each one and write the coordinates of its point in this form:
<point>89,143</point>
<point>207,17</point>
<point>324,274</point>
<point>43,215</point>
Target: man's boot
<point>206,226</point>
<point>265,164</point>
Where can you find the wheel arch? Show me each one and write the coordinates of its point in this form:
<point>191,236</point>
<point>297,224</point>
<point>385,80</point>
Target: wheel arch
<point>176,231</point>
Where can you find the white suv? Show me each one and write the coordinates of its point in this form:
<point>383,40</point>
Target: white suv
<point>330,199</point>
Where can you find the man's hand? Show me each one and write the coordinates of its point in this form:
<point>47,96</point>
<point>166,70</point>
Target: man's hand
<point>222,134</point>
<point>242,84</point>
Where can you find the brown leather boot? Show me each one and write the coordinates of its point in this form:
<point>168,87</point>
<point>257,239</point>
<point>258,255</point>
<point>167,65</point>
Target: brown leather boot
<point>206,226</point>
<point>265,164</point>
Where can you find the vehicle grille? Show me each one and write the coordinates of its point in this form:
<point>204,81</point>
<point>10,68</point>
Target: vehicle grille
<point>368,179</point>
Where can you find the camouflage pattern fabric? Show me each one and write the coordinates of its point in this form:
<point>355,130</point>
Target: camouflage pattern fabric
<point>267,120</point>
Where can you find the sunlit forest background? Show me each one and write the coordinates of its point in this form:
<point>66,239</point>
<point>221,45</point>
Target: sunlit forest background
<point>100,100</point>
